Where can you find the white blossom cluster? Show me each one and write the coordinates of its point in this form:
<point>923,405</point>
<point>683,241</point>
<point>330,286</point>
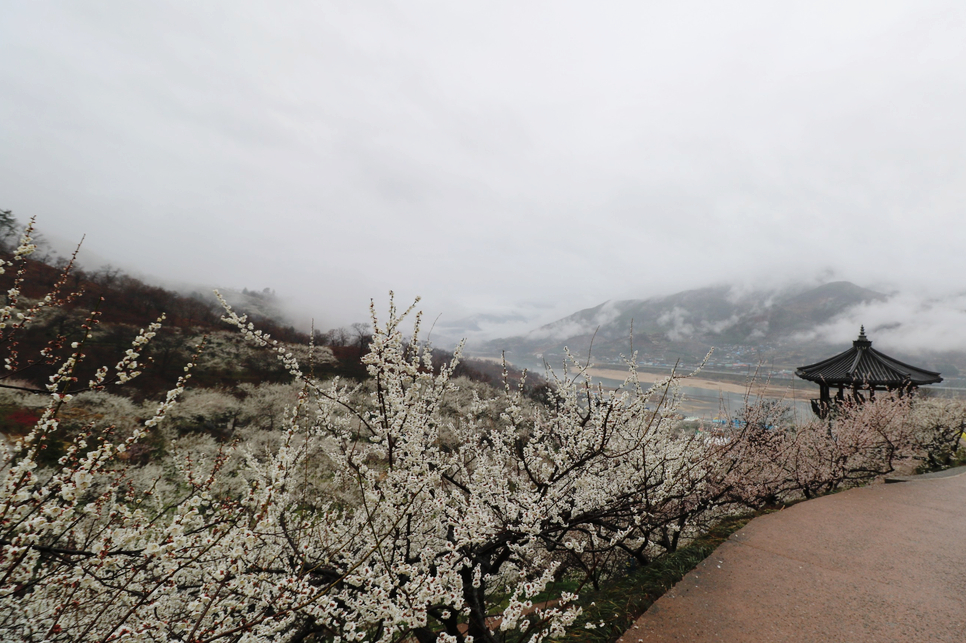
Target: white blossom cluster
<point>939,425</point>
<point>227,349</point>
<point>12,314</point>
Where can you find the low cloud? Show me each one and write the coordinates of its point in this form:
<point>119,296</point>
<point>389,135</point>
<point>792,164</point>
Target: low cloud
<point>575,325</point>
<point>675,318</point>
<point>478,155</point>
<point>719,326</point>
<point>904,322</point>
<point>561,330</point>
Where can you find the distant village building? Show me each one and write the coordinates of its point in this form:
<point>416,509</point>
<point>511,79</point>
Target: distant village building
<point>860,372</point>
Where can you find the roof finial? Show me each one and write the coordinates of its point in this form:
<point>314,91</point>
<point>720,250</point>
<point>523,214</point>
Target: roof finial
<point>862,341</point>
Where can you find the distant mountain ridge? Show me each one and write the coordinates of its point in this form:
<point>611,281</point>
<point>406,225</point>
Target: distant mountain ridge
<point>690,322</point>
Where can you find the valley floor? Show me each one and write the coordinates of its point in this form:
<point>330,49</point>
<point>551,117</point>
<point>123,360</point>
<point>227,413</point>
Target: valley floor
<point>708,397</point>
<point>766,389</point>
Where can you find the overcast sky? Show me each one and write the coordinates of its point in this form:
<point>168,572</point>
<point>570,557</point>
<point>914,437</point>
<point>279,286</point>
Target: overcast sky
<point>506,157</point>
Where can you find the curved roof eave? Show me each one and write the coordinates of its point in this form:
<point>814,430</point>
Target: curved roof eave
<point>863,365</point>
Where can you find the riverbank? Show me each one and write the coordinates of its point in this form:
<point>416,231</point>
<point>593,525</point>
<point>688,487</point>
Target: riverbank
<point>756,389</point>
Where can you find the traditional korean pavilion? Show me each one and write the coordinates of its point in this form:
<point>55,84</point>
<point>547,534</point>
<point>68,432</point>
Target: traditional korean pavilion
<point>862,370</point>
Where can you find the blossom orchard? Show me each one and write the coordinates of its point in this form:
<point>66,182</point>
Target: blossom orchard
<point>411,538</point>
<point>472,512</point>
<point>412,535</point>
<point>428,518</point>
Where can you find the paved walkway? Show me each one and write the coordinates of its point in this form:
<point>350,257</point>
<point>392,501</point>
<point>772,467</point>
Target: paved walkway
<point>881,563</point>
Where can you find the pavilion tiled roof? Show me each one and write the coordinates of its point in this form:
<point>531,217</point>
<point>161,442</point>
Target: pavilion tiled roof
<point>863,365</point>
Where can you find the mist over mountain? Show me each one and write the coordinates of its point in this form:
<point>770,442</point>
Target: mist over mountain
<point>785,327</point>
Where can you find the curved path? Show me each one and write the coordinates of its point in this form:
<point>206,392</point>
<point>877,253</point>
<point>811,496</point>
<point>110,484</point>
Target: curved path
<point>880,563</point>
